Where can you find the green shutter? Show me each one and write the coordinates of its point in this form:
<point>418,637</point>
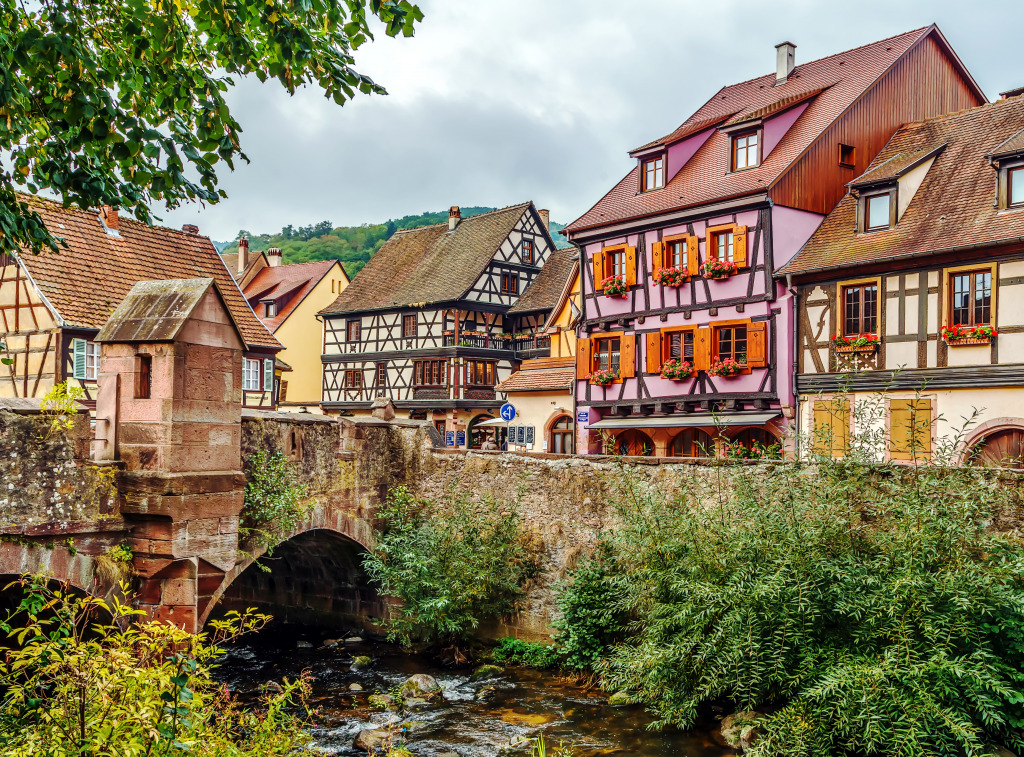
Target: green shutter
<point>78,353</point>
<point>268,375</point>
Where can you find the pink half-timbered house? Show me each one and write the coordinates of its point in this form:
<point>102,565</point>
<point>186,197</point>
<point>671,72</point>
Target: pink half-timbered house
<point>687,338</point>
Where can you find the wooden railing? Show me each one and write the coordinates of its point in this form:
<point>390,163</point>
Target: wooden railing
<point>536,345</point>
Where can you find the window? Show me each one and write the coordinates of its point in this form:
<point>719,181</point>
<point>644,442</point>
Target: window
<point>860,309</point>
<point>847,155</point>
<point>876,212</point>
<point>479,373</point>
<point>143,377</point>
<point>409,326</point>
<point>510,283</point>
<point>653,176</point>
<point>731,342</point>
<point>723,246</point>
<point>910,429</point>
<point>562,436</point>
<point>693,442</point>
<point>430,373</point>
<point>615,262</point>
<point>85,360</point>
<point>527,250</point>
<point>675,253</point>
<point>831,427</point>
<point>757,443</point>
<point>678,345</point>
<point>250,374</point>
<point>1015,187</point>
<point>382,374</point>
<point>745,151</point>
<point>441,426</point>
<point>634,443</point>
<point>606,354</point>
<point>971,298</point>
<point>353,378</point>
<point>352,331</point>
<point>269,308</point>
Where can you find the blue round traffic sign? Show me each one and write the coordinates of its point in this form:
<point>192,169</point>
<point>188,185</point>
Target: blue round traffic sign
<point>508,412</point>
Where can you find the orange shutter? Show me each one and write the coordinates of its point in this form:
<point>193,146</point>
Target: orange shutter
<point>702,348</point>
<point>757,344</point>
<point>582,358</point>
<point>598,270</point>
<point>657,257</point>
<point>739,249</point>
<point>653,353</point>
<point>630,266</point>
<point>627,355</point>
<point>692,256</point>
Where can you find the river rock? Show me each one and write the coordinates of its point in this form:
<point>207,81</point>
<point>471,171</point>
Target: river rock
<point>360,662</point>
<point>274,687</point>
<point>304,645</point>
<point>419,685</point>
<point>486,671</point>
<point>329,644</point>
<point>381,701</point>
<point>354,687</point>
<point>370,739</point>
<point>1003,752</point>
<point>415,702</point>
<point>354,640</point>
<point>619,699</point>
<point>448,754</point>
<point>740,729</point>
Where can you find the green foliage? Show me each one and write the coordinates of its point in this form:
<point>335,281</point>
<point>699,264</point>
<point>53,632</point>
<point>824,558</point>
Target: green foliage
<point>452,564</point>
<point>528,654</point>
<point>75,687</point>
<point>60,406</point>
<point>590,622</point>
<point>124,103</point>
<point>867,606</point>
<point>5,360</point>
<point>275,501</point>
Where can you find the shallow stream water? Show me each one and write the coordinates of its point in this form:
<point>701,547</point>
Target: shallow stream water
<point>470,718</point>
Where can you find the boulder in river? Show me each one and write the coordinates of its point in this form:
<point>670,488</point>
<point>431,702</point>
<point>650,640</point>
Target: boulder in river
<point>620,698</point>
<point>381,701</point>
<point>420,685</point>
<point>274,687</point>
<point>303,644</point>
<point>740,729</point>
<point>370,739</point>
<point>486,671</point>
<point>360,662</point>
<point>353,640</point>
<point>354,687</point>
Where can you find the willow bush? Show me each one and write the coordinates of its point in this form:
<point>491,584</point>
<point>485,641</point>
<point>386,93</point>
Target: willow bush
<point>867,608</point>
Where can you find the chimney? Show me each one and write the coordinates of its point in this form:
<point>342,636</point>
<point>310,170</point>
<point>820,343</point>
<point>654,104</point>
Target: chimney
<point>274,257</point>
<point>243,254</point>
<point>785,62</point>
<point>109,217</point>
<point>545,217</point>
<point>190,228</point>
<point>454,216</point>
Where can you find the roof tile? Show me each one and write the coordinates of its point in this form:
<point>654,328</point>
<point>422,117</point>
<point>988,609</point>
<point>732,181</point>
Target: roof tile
<point>545,290</point>
<point>274,282</point>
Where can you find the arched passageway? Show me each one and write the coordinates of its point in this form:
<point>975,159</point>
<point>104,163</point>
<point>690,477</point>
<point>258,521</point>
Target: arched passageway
<point>1002,448</point>
<point>315,577</point>
<point>12,592</point>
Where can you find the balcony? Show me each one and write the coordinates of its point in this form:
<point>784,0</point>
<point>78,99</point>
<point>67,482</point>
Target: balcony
<point>524,345</point>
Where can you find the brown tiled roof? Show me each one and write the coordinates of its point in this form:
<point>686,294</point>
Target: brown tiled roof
<point>293,281</point>
<point>842,79</point>
<point>953,208</point>
<point>778,106</point>
<point>544,291</point>
<point>896,165</point>
<point>429,263</point>
<point>542,374</point>
<point>257,262</point>
<point>87,280</point>
<point>1012,146</point>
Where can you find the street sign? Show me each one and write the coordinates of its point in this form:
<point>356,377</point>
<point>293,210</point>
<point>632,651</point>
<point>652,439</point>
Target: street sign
<point>460,439</point>
<point>508,412</point>
<point>450,439</point>
<point>583,416</point>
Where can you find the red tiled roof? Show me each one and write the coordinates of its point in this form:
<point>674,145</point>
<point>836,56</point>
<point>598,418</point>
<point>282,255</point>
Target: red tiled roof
<point>841,79</point>
<point>896,165</point>
<point>1013,145</point>
<point>87,280</point>
<point>293,281</point>
<point>544,291</point>
<point>542,374</point>
<point>953,208</point>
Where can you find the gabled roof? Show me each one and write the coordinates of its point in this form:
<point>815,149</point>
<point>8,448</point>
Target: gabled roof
<point>541,374</point>
<point>257,262</point>
<point>429,263</point>
<point>290,282</point>
<point>954,207</point>
<point>85,282</point>
<point>156,311</point>
<point>544,291</point>
<point>1013,146</point>
<point>896,166</point>
<point>829,86</point>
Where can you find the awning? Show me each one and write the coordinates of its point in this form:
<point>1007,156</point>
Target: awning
<point>491,422</point>
<point>686,421</point>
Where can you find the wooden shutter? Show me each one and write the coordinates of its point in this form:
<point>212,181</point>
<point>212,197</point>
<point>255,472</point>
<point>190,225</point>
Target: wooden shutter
<point>910,429</point>
<point>78,358</point>
<point>583,358</point>
<point>631,266</point>
<point>702,348</point>
<point>627,356</point>
<point>831,427</point>
<point>739,246</point>
<point>692,256</point>
<point>653,352</point>
<point>268,375</point>
<point>599,269</point>
<point>757,344</point>
<point>657,257</point>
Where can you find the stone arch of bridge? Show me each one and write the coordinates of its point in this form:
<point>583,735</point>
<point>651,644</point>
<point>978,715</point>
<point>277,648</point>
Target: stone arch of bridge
<point>57,561</point>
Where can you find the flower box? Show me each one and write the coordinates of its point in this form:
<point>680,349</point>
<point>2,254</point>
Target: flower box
<point>718,269</point>
<point>959,334</point>
<point>672,276</point>
<point>677,370</point>
<point>727,368</point>
<point>856,343</point>
<point>603,377</point>
<point>614,286</point>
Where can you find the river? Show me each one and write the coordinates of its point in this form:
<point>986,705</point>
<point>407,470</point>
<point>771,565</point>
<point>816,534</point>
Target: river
<point>471,718</point>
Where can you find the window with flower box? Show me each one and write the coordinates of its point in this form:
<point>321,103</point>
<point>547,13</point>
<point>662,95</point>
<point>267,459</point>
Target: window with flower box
<point>971,298</point>
<point>860,308</point>
<point>727,243</point>
<point>609,351</point>
<point>746,342</point>
<point>618,260</point>
<point>678,251</point>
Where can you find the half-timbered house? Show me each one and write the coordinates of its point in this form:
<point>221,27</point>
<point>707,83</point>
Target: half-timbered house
<point>686,341</point>
<point>425,322</point>
<point>911,296</point>
<point>53,304</point>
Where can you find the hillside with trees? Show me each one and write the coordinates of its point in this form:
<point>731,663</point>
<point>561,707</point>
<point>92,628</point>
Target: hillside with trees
<point>352,245</point>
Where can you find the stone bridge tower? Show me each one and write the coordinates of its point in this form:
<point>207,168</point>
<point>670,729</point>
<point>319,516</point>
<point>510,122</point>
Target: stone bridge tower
<point>169,407</point>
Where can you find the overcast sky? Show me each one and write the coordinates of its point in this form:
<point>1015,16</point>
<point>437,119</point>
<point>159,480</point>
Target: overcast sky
<point>495,102</point>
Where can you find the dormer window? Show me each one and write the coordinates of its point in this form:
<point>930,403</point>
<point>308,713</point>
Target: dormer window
<point>877,211</point>
<point>527,251</point>
<point>1015,187</point>
<point>652,175</point>
<point>269,308</point>
<point>746,150</point>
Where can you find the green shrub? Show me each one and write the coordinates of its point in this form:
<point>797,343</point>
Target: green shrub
<point>452,564</point>
<point>275,502</point>
<point>528,654</point>
<point>589,623</point>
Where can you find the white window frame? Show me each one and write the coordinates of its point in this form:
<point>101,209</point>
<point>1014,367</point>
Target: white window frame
<point>251,375</point>
<point>85,360</point>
